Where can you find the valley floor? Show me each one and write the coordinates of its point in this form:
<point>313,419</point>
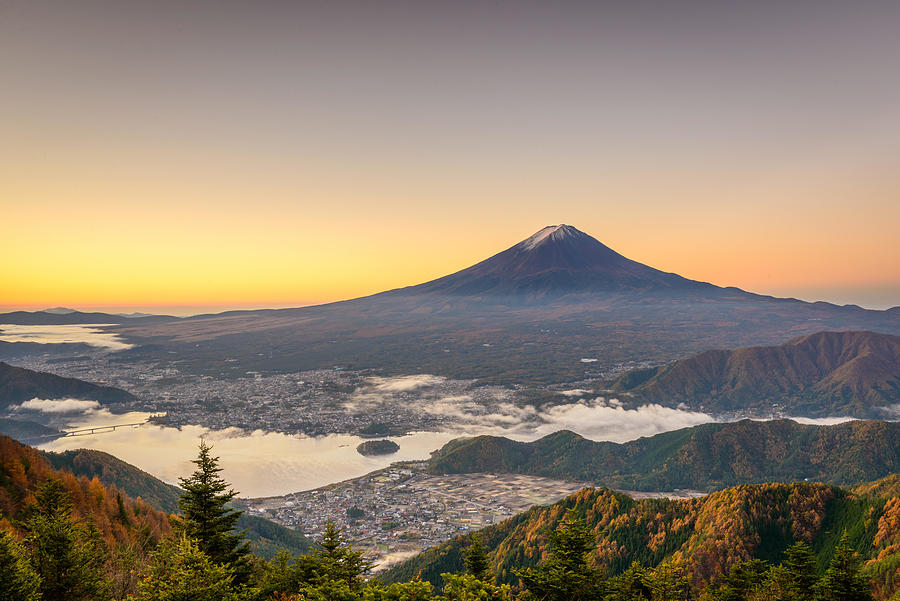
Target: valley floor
<point>393,513</point>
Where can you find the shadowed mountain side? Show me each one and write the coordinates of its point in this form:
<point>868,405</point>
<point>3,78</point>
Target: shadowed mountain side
<point>558,260</point>
<point>24,430</point>
<point>705,536</point>
<point>18,384</point>
<point>828,373</point>
<point>705,457</point>
<point>267,536</point>
<point>528,314</point>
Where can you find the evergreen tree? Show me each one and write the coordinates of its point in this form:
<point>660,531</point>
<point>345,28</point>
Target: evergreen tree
<point>69,557</point>
<point>280,575</point>
<point>802,571</point>
<point>566,574</point>
<point>209,520</point>
<point>180,571</point>
<point>467,587</point>
<point>668,582</point>
<point>335,560</point>
<point>18,580</point>
<point>415,590</point>
<point>630,585</point>
<point>741,579</point>
<point>842,580</point>
<point>476,560</point>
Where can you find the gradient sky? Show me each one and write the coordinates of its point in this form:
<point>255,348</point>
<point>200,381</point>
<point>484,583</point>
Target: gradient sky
<point>284,153</point>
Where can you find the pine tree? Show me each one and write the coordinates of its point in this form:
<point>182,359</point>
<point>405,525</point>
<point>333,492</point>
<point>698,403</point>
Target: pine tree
<point>68,556</point>
<point>668,582</point>
<point>180,571</point>
<point>18,580</point>
<point>476,560</point>
<point>466,587</point>
<point>630,585</point>
<point>209,520</point>
<point>802,570</point>
<point>742,578</point>
<point>566,575</point>
<point>842,581</point>
<point>337,561</point>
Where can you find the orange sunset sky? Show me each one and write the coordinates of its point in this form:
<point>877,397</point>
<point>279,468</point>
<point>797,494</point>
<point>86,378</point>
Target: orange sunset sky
<point>279,154</point>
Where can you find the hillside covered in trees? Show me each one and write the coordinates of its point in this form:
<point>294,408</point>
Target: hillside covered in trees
<point>705,457</point>
<point>119,517</point>
<point>267,537</point>
<point>703,537</point>
<point>69,538</point>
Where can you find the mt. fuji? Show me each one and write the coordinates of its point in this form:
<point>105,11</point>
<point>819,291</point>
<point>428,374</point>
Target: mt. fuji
<point>559,306</point>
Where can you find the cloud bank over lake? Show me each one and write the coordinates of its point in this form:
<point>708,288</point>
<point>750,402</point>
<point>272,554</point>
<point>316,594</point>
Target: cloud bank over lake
<point>57,406</point>
<point>89,334</point>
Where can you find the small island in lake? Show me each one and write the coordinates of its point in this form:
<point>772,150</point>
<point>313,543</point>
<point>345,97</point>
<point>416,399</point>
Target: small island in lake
<point>377,447</point>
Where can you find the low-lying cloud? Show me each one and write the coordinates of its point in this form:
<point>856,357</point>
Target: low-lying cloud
<point>821,421</point>
<point>597,419</point>
<point>404,383</point>
<point>63,334</point>
<point>58,405</point>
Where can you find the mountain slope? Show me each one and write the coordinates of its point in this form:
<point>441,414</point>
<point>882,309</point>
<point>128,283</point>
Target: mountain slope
<point>704,535</point>
<point>527,315</point>
<point>828,373</point>
<point>24,430</point>
<point>266,536</point>
<point>558,259</point>
<point>705,457</point>
<point>18,384</point>
<point>116,514</point>
<point>889,486</point>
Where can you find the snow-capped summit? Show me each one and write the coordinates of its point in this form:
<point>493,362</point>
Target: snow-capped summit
<point>558,259</point>
<point>551,233</point>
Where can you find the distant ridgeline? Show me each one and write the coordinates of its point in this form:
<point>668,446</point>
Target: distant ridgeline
<point>825,374</point>
<point>705,457</point>
<point>705,535</point>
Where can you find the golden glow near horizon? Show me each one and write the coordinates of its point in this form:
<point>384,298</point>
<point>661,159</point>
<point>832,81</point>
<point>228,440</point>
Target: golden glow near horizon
<point>294,155</point>
<point>284,251</point>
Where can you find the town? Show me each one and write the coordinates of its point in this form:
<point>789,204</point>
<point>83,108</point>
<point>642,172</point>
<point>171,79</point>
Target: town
<point>394,513</point>
<point>312,403</point>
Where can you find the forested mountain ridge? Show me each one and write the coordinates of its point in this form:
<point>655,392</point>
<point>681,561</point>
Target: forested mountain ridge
<point>855,373</point>
<point>705,457</point>
<point>889,486</point>
<point>705,536</point>
<point>109,469</point>
<point>120,518</point>
<point>266,536</point>
<point>18,384</point>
